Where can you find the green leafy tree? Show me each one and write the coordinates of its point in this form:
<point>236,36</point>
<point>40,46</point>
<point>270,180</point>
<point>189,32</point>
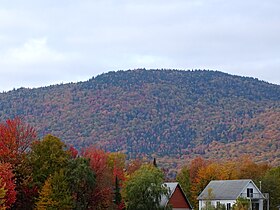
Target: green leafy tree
<point>144,189</point>
<point>55,193</point>
<point>241,204</point>
<point>183,177</point>
<point>271,185</point>
<point>221,207</point>
<point>47,157</point>
<point>208,203</point>
<point>81,181</point>
<point>61,192</point>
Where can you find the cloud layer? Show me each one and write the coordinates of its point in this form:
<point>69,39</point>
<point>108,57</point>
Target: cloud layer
<point>48,42</point>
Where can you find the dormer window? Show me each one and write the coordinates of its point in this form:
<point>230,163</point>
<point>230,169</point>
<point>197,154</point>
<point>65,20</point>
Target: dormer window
<point>250,192</point>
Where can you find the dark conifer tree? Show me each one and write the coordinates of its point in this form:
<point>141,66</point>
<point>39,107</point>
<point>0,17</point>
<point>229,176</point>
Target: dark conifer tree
<point>155,162</point>
<point>118,197</point>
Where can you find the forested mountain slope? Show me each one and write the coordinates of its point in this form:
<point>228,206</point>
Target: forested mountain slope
<point>157,112</point>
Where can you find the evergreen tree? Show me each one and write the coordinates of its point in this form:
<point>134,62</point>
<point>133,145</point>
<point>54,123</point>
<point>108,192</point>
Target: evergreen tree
<point>155,162</point>
<point>55,193</point>
<point>117,197</point>
<point>45,200</point>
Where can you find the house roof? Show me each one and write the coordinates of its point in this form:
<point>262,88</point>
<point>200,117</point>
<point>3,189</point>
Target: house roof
<point>225,189</point>
<point>172,187</point>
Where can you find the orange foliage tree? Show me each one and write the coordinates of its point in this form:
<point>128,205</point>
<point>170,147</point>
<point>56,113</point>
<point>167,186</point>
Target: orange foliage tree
<point>202,171</point>
<point>248,169</point>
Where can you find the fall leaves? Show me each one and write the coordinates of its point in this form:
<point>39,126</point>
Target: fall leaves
<point>43,174</point>
<point>48,174</point>
<point>7,186</point>
<point>168,113</point>
<point>195,176</point>
<point>15,140</point>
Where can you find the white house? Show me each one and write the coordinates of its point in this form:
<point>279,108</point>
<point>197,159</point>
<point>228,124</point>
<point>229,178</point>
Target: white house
<point>228,191</point>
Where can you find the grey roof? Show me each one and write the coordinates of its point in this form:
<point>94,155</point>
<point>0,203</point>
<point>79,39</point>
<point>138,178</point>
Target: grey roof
<point>224,189</point>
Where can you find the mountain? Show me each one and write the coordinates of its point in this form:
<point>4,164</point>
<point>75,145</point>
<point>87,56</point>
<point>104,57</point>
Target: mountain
<point>170,114</point>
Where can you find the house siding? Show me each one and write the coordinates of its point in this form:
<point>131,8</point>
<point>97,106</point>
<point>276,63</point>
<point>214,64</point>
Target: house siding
<point>255,197</point>
<point>178,201</point>
<point>202,203</point>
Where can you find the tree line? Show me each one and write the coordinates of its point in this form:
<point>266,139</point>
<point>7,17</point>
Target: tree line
<point>48,174</point>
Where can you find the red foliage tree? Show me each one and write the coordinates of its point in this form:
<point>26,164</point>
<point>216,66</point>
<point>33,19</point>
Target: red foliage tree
<point>134,165</point>
<point>15,139</point>
<point>102,195</point>
<point>73,151</point>
<point>7,181</point>
<point>116,162</point>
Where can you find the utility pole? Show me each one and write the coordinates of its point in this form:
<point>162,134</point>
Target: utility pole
<point>250,203</point>
<point>266,195</point>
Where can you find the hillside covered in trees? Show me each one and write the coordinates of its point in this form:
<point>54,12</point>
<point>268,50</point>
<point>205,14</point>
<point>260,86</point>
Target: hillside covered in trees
<point>170,114</point>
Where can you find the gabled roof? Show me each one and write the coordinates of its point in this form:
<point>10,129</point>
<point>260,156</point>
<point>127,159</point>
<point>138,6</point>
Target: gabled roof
<point>225,189</point>
<point>172,187</point>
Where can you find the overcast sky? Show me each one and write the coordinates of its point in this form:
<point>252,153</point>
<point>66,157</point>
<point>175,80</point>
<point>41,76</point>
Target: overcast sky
<point>47,42</point>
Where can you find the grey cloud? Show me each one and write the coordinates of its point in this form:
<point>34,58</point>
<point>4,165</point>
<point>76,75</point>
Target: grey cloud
<point>239,37</point>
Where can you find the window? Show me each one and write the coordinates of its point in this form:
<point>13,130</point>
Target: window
<point>250,192</point>
<point>228,206</point>
<point>256,206</point>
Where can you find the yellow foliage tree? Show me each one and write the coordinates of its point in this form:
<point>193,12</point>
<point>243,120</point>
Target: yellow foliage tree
<point>45,199</point>
<point>2,196</point>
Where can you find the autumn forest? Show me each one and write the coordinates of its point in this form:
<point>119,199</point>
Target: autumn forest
<point>96,144</point>
<point>48,174</point>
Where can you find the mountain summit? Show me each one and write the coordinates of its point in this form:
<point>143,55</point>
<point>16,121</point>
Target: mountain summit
<point>164,113</point>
